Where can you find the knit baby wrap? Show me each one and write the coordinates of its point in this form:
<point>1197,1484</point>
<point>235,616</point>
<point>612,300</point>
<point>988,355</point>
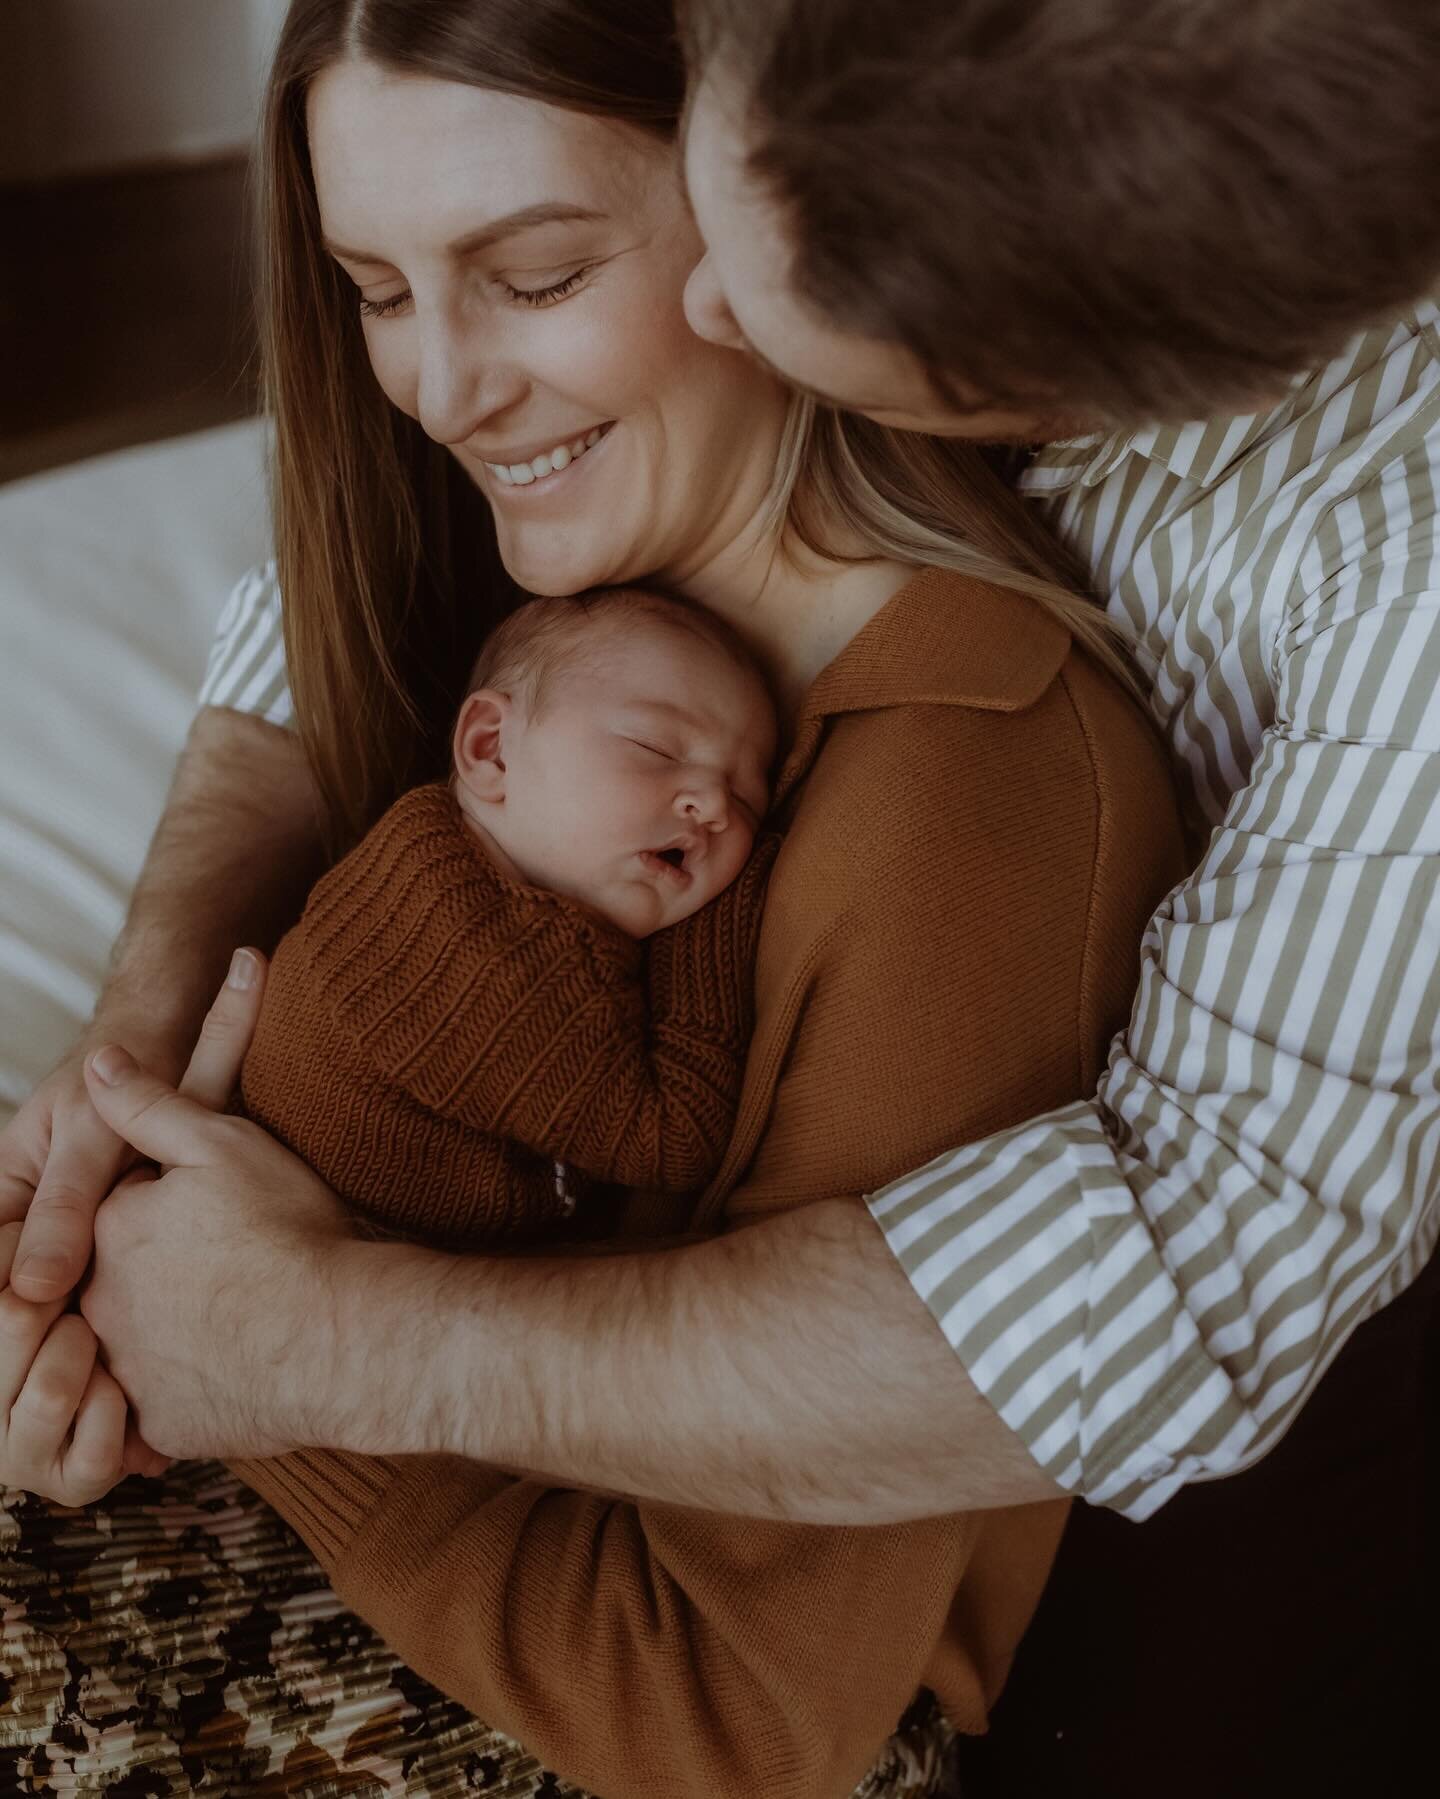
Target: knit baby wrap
<point>436,1038</point>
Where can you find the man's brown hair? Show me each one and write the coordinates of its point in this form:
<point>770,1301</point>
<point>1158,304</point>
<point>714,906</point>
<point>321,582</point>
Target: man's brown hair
<point>1154,209</point>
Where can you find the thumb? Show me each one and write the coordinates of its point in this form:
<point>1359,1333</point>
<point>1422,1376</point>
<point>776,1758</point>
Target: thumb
<point>147,1112</point>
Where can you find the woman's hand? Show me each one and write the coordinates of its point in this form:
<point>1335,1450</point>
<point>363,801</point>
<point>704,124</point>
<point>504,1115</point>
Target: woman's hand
<point>62,1416</point>
<point>58,1160</point>
<point>64,1431</point>
<point>211,1282</point>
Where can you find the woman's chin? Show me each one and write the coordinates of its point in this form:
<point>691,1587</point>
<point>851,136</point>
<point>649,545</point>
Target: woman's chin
<point>546,579</point>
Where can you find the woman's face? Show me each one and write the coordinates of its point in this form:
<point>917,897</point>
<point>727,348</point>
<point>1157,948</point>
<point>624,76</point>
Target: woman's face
<point>520,271</point>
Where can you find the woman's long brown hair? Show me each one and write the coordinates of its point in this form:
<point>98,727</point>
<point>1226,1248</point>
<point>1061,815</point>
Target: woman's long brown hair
<point>387,557</point>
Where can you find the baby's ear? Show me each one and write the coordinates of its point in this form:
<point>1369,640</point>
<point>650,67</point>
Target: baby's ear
<point>479,744</point>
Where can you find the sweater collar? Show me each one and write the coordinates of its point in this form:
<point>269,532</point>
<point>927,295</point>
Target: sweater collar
<point>943,640</point>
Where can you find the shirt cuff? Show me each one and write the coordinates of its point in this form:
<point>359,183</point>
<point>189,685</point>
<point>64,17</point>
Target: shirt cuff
<point>1034,1258</point>
<point>247,670</point>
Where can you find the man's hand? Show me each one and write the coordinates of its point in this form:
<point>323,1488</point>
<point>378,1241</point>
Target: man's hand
<point>210,1286</point>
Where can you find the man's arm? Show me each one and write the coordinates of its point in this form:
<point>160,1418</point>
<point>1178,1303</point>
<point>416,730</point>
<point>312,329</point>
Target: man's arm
<point>230,862</point>
<point>783,1371</point>
<point>1148,1286</point>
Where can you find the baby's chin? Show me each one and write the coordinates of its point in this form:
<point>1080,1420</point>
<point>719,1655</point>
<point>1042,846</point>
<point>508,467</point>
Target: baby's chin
<point>640,913</point>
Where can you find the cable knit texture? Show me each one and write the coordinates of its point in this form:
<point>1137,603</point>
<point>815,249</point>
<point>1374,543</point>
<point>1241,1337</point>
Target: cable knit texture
<point>436,1036</point>
<point>979,826</point>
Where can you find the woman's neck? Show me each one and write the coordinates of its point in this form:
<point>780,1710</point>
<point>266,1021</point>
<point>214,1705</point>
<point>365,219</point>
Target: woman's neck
<point>796,609</point>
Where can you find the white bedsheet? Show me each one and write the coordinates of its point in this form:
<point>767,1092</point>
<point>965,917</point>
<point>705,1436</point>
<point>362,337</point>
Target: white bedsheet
<point>111,577</point>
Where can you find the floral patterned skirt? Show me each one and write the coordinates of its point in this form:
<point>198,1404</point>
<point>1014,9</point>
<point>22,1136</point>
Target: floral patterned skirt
<point>179,1638</point>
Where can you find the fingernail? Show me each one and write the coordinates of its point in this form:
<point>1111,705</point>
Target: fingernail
<point>111,1064</point>
<point>244,970</point>
<point>44,1270</point>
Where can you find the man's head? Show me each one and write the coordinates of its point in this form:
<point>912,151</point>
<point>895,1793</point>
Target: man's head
<point>1024,218</point>
<point>616,748</point>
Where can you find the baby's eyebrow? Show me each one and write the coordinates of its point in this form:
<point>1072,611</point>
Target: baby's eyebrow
<point>669,707</point>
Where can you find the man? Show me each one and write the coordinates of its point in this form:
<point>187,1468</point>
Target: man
<point>1056,221</point>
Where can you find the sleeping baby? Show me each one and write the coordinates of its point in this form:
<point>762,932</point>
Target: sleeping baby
<point>464,1032</point>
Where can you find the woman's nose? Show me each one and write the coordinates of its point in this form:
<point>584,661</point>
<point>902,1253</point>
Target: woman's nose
<point>459,387</point>
<point>708,311</point>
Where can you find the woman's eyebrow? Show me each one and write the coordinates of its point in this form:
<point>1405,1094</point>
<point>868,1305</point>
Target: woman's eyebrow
<point>526,218</point>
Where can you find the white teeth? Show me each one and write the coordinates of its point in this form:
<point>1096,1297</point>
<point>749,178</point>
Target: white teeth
<point>523,474</point>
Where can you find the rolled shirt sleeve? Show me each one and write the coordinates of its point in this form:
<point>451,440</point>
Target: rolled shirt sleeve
<point>246,671</point>
<point>1148,1285</point>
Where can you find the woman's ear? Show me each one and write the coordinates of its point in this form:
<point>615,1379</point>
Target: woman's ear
<point>479,746</point>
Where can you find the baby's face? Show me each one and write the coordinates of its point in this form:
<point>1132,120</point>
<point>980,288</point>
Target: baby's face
<point>638,785</point>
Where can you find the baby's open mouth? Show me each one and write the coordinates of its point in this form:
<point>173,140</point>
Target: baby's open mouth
<point>669,865</point>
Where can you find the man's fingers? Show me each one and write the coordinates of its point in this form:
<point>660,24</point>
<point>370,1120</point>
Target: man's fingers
<point>148,1112</point>
<point>83,1165</point>
<point>94,1458</point>
<point>139,1457</point>
<point>214,1071</point>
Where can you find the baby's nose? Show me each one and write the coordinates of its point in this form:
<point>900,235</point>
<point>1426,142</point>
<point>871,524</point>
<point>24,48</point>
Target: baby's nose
<point>706,803</point>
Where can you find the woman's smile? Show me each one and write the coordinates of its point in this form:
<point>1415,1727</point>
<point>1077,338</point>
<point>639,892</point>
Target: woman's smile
<point>529,478</point>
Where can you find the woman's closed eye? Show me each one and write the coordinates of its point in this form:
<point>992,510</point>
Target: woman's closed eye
<point>525,296</point>
<point>547,296</point>
<point>383,309</point>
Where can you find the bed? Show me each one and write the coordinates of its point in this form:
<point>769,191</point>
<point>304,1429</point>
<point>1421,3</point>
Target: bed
<point>112,573</point>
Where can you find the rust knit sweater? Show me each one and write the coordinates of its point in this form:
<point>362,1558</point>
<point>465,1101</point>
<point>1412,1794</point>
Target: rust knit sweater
<point>451,1050</point>
<point>980,824</point>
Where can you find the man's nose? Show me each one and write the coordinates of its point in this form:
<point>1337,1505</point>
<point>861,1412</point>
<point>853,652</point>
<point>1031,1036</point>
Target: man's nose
<point>708,311</point>
<point>460,386</point>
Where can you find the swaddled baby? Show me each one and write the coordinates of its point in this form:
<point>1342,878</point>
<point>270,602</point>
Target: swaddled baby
<point>464,1032</point>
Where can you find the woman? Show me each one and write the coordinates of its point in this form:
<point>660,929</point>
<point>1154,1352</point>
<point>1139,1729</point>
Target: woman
<point>483,381</point>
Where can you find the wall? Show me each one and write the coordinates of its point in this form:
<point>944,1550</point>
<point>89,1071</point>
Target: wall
<point>87,85</point>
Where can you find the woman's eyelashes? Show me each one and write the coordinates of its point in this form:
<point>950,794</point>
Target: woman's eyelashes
<point>382,309</point>
<point>546,296</point>
<point>522,296</point>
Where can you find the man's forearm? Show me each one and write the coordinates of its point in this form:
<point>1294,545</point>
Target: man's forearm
<point>784,1371</point>
<point>232,858</point>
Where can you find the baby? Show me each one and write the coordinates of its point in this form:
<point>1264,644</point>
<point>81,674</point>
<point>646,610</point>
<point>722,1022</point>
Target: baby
<point>463,1034</point>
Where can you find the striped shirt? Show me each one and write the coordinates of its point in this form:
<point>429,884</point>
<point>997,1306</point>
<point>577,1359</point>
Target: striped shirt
<point>1146,1285</point>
